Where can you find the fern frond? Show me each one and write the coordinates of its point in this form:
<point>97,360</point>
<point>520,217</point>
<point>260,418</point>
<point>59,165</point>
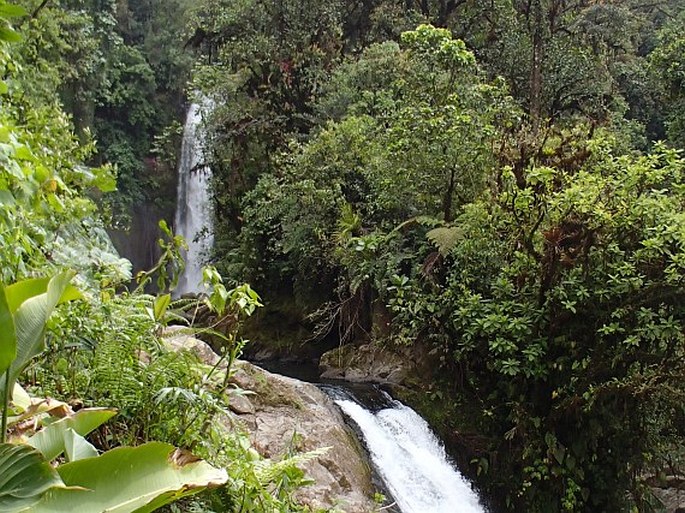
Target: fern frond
<point>268,471</point>
<point>445,238</point>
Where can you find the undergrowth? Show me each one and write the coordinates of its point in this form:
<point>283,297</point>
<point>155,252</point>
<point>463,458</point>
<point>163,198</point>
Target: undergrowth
<point>113,351</point>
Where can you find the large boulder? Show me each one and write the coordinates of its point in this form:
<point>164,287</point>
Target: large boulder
<point>290,414</point>
<point>284,414</point>
<point>180,338</point>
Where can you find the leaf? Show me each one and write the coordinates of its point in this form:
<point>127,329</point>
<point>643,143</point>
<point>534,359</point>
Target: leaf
<point>77,447</point>
<point>53,407</point>
<point>21,398</point>
<point>19,292</point>
<point>445,239</point>
<point>8,340</point>
<point>12,11</point>
<point>25,477</point>
<point>51,440</point>
<point>160,306</point>
<point>32,303</point>
<point>6,197</point>
<point>129,479</point>
<point>9,35</point>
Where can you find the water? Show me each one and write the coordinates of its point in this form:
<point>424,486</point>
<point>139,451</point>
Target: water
<point>409,458</point>
<point>193,204</point>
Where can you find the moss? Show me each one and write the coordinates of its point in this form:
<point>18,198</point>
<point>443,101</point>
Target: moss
<point>269,391</point>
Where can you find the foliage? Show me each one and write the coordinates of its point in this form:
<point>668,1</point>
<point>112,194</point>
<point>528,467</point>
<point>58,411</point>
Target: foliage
<point>264,66</point>
<point>120,79</point>
<point>542,269</point>
<point>562,299</point>
<point>99,345</point>
<point>29,477</point>
<point>25,308</point>
<point>666,63</point>
<point>420,148</point>
<point>157,474</point>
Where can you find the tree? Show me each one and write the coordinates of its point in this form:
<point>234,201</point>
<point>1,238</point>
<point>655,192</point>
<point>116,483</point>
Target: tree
<point>413,137</point>
<point>562,299</point>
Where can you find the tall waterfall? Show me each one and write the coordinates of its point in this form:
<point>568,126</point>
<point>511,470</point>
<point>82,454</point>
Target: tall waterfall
<point>410,459</point>
<point>193,203</point>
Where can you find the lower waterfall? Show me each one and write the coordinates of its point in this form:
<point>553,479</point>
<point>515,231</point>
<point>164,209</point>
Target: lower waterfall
<point>409,458</point>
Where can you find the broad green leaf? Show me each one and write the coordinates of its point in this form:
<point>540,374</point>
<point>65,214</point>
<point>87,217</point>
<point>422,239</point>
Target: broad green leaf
<point>19,292</point>
<point>51,439</point>
<point>24,478</point>
<point>21,398</point>
<point>12,11</point>
<point>76,447</point>
<point>7,34</point>
<point>8,340</point>
<point>161,305</point>
<point>32,303</point>
<point>130,480</point>
<point>23,290</point>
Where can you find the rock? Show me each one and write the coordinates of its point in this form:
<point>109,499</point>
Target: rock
<point>178,338</point>
<point>240,404</point>
<point>291,414</point>
<point>367,363</point>
<point>673,499</point>
<point>286,414</point>
<point>670,490</point>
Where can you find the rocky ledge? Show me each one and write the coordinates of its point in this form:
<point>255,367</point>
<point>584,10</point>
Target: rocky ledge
<point>369,363</point>
<point>282,414</point>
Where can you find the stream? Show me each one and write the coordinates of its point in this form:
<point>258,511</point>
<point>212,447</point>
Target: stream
<point>408,456</point>
<point>409,461</point>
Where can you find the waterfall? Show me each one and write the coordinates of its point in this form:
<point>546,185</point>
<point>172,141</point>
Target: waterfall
<point>193,204</point>
<point>409,458</point>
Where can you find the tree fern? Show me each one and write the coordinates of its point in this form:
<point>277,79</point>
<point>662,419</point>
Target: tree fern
<point>445,238</point>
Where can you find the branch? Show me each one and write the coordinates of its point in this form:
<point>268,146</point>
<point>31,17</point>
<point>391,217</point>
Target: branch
<point>39,8</point>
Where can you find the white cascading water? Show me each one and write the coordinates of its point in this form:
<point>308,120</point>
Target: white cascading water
<point>193,204</point>
<point>411,460</point>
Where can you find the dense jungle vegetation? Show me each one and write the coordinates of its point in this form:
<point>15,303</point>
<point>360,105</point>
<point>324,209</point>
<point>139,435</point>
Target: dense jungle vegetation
<point>80,355</point>
<point>497,184</point>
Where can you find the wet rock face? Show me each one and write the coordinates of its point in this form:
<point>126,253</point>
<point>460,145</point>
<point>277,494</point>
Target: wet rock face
<point>290,414</point>
<point>369,363</point>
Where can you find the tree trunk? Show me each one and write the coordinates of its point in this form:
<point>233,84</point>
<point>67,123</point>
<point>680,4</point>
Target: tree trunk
<point>536,68</point>
<point>447,199</point>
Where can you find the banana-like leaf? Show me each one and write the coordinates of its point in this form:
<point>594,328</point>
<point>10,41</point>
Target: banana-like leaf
<point>21,398</point>
<point>130,480</point>
<point>76,447</point>
<point>31,302</point>
<point>51,440</point>
<point>25,477</point>
<point>37,407</point>
<point>8,340</point>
